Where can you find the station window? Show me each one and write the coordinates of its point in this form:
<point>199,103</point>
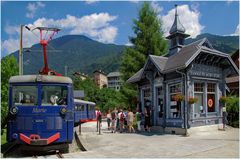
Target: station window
<point>211,87</point>
<point>198,93</point>
<point>91,107</point>
<point>24,95</point>
<point>175,106</point>
<point>211,97</point>
<point>54,95</point>
<point>198,87</point>
<point>160,101</point>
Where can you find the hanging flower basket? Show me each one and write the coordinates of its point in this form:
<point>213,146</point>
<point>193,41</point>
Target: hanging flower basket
<point>178,97</point>
<point>192,100</point>
<point>223,99</point>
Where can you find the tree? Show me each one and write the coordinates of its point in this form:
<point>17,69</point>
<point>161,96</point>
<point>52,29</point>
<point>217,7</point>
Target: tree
<point>104,98</point>
<point>149,37</point>
<point>148,40</point>
<point>89,87</point>
<point>233,111</point>
<point>9,67</point>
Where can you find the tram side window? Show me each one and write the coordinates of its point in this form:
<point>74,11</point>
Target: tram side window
<point>54,95</point>
<point>24,95</point>
<point>91,107</point>
<point>79,107</point>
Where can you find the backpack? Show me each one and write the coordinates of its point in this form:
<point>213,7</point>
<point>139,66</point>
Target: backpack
<point>122,117</point>
<point>113,115</point>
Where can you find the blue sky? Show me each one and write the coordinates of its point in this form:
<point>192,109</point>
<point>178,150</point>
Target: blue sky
<point>111,22</point>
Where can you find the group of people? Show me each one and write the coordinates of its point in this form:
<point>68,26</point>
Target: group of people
<point>123,120</point>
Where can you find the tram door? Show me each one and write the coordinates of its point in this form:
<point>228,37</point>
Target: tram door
<point>159,102</point>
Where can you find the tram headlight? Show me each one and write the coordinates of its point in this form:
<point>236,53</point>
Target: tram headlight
<point>14,110</point>
<point>63,110</point>
<point>14,136</point>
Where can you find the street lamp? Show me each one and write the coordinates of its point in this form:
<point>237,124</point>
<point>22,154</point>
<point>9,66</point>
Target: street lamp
<point>20,52</point>
<point>21,49</point>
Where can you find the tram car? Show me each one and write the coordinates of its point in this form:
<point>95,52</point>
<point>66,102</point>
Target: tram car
<point>43,111</point>
<point>41,107</point>
<point>83,111</point>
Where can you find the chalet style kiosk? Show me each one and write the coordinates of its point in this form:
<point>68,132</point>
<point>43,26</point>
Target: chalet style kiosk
<point>196,71</point>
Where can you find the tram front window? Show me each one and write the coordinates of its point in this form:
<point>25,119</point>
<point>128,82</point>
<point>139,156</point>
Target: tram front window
<point>54,95</point>
<point>24,95</point>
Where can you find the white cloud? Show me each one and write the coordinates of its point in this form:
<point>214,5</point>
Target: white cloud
<point>229,2</point>
<point>33,7</point>
<point>96,26</point>
<point>11,30</point>
<point>107,34</point>
<point>237,32</point>
<point>189,19</point>
<point>129,44</point>
<point>156,7</point>
<point>10,45</point>
<point>91,1</point>
<point>134,1</point>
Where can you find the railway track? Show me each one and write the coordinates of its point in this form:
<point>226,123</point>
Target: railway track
<point>59,155</point>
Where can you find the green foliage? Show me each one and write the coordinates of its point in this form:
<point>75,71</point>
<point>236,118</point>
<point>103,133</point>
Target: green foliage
<point>131,62</point>
<point>9,67</point>
<point>148,40</point>
<point>108,99</point>
<point>233,110</point>
<point>104,98</point>
<point>149,37</point>
<point>3,136</point>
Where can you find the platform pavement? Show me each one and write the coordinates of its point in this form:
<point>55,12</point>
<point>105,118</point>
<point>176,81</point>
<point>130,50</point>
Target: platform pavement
<point>209,142</point>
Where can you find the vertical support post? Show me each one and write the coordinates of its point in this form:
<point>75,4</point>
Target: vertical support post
<point>205,100</point>
<point>99,127</point>
<point>97,124</point>
<point>153,103</point>
<point>20,52</point>
<point>46,69</point>
<point>66,70</point>
<point>80,128</point>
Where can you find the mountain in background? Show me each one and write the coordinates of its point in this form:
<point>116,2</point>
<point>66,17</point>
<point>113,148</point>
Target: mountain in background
<point>226,44</point>
<point>76,52</point>
<point>82,54</point>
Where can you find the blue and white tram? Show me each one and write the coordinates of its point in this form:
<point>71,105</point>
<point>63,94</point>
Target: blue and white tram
<point>83,111</point>
<point>41,110</point>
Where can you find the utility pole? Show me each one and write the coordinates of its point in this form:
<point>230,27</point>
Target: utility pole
<point>66,70</point>
<point>20,52</point>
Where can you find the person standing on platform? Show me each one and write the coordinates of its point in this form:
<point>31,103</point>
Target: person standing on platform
<point>98,118</point>
<point>121,120</point>
<point>125,112</point>
<point>147,119</point>
<point>108,119</point>
<point>138,119</point>
<point>114,116</point>
<point>130,121</point>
